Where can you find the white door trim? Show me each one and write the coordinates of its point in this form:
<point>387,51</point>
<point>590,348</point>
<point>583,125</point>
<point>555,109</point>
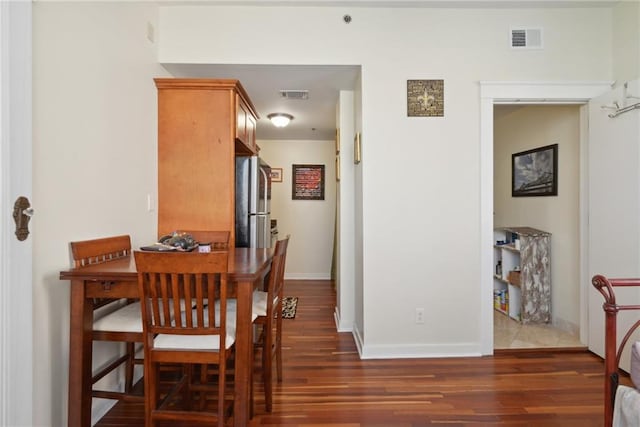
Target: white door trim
<point>16,288</point>
<point>496,92</point>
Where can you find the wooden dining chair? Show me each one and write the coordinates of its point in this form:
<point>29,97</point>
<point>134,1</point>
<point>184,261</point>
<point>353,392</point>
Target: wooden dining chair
<point>267,306</point>
<point>201,336</point>
<point>123,321</point>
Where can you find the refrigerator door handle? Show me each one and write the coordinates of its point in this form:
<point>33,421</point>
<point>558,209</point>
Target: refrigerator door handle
<point>264,190</point>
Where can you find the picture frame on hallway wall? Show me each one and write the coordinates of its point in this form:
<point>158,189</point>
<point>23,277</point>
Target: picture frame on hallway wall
<point>276,174</point>
<point>307,182</point>
<point>425,98</point>
<point>535,172</point>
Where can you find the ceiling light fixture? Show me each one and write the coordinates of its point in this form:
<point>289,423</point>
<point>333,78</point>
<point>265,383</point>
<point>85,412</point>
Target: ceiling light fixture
<point>280,120</point>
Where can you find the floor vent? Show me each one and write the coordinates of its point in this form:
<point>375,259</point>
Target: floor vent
<point>526,38</point>
<point>294,94</point>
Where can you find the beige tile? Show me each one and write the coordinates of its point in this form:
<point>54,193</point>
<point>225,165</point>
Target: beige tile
<point>507,333</point>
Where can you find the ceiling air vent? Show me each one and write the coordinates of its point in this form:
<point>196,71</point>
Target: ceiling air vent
<point>526,38</point>
<point>294,94</point>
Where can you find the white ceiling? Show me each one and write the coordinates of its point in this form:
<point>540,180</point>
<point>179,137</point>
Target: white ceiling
<point>314,119</point>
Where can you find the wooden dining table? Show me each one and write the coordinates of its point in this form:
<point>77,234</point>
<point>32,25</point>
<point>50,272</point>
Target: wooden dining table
<point>118,279</point>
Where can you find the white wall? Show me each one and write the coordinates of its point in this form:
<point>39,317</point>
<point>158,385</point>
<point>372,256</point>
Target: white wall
<point>420,197</point>
<point>358,261</point>
<point>626,41</point>
<point>614,208</point>
<point>94,144</point>
<point>309,222</point>
<point>345,277</point>
<point>524,128</point>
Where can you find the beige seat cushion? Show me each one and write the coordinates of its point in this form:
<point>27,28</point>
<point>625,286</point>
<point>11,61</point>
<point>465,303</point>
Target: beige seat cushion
<point>231,305</point>
<point>199,342</point>
<point>260,303</point>
<point>125,319</point>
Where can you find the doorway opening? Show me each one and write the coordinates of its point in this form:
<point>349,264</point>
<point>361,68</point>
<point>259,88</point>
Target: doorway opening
<point>518,93</point>
<point>519,308</point>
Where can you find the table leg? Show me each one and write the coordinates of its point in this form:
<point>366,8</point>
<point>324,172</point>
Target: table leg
<point>244,354</point>
<point>80,354</point>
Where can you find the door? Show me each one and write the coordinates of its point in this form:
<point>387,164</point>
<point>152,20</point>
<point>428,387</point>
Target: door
<point>614,206</point>
<point>261,214</point>
<point>16,295</point>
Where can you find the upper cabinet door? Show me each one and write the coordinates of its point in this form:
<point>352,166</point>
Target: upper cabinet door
<point>241,120</point>
<point>251,132</point>
<point>245,128</point>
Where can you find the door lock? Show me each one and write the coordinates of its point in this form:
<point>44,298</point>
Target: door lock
<point>22,213</point>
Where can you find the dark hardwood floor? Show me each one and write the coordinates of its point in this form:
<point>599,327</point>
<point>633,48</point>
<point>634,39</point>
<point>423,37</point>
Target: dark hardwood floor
<point>326,384</point>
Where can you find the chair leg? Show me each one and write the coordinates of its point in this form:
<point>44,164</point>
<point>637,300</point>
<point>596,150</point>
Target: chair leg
<point>251,406</point>
<point>222,378</point>
<point>278,343</point>
<point>186,391</point>
<point>150,392</point>
<point>203,381</point>
<point>128,377</point>
<point>267,368</point>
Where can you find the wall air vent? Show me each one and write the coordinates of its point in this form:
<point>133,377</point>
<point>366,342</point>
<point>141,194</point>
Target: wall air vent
<point>526,38</point>
<point>294,94</point>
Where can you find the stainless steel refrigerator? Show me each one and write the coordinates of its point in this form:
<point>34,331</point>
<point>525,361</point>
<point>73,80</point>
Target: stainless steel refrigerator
<point>253,199</point>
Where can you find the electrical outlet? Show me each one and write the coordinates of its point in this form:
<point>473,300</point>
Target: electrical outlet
<point>419,316</point>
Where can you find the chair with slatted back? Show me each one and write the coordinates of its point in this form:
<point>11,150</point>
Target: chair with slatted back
<point>122,323</point>
<point>203,336</point>
<point>267,306</point>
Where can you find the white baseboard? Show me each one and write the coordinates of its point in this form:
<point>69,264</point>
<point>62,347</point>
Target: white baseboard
<point>418,351</point>
<point>357,337</point>
<point>341,325</point>
<point>421,351</point>
<point>307,276</point>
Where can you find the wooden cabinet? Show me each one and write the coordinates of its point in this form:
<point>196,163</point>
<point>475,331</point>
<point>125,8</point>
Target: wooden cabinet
<point>522,276</point>
<point>245,127</point>
<point>203,124</point>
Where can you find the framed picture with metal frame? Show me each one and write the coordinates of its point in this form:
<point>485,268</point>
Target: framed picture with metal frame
<point>535,172</point>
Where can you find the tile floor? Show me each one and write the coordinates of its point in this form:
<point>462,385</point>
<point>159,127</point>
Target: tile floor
<point>507,333</point>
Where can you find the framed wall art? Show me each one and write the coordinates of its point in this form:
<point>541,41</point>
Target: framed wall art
<point>276,174</point>
<point>535,172</point>
<point>425,98</point>
<point>307,182</point>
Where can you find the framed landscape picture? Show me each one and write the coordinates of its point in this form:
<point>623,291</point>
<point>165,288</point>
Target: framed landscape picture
<point>535,172</point>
